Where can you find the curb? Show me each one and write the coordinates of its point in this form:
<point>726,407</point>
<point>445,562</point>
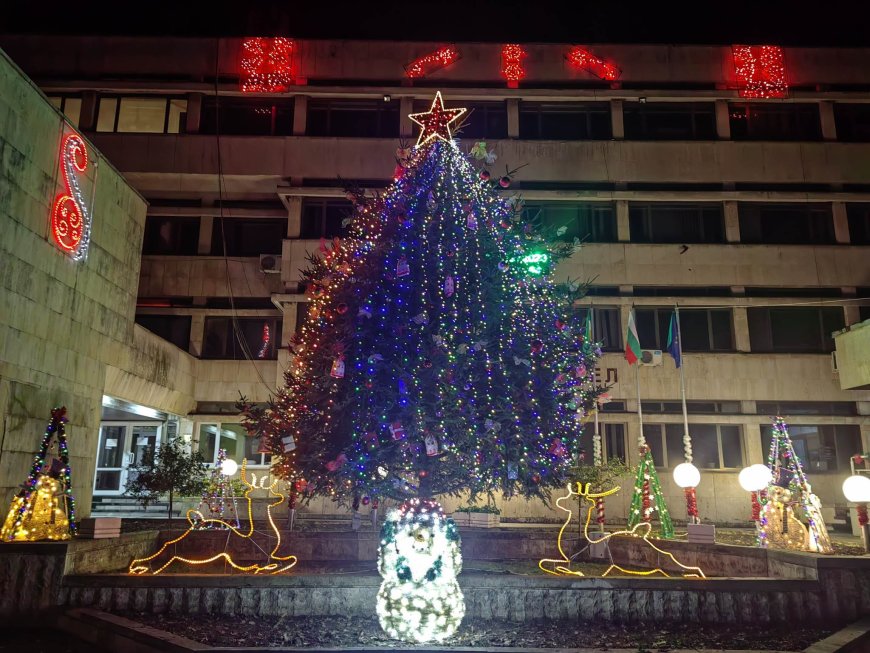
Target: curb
<point>854,638</point>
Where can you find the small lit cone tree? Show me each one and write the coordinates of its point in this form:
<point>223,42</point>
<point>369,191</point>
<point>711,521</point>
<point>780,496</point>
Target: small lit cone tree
<point>647,498</point>
<point>437,355</point>
<point>44,508</point>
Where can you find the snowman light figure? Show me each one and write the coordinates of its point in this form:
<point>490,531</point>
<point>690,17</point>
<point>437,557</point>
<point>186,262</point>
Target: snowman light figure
<point>419,558</point>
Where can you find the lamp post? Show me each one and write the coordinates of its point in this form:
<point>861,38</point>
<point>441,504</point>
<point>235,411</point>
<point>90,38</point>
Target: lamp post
<point>687,476</point>
<point>857,490</point>
<point>753,479</point>
<point>229,467</point>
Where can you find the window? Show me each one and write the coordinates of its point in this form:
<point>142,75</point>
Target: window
<point>806,408</point>
<point>820,448</point>
<point>141,113</point>
<point>613,407</point>
<point>612,441</point>
<point>586,221</point>
<point>775,122</point>
<point>853,122</point>
<point>864,309</point>
<point>324,218</point>
<point>244,116</point>
<point>692,407</point>
<point>234,439</point>
<point>859,223</point>
<point>656,222</point>
<point>71,106</point>
<point>677,121</point>
<point>701,329</point>
<point>248,236</point>
<point>255,337</point>
<point>682,291</point>
<point>172,328</point>
<point>565,121</point>
<point>483,119</point>
<point>786,224</point>
<point>714,446</point>
<point>361,118</point>
<point>606,327</point>
<point>171,235</point>
<point>795,329</point>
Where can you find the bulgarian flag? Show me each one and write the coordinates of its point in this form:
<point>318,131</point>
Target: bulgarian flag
<point>632,343</point>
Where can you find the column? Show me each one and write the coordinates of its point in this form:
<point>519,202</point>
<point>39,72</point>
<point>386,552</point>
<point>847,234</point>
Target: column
<point>752,444</point>
<point>300,115</point>
<point>288,328</point>
<point>88,113</point>
<point>617,125</point>
<point>741,329</point>
<point>723,121</point>
<point>841,223</point>
<point>197,334</point>
<point>194,113</point>
<point>829,124</point>
<point>732,222</point>
<point>852,310</point>
<point>623,232</point>
<point>294,217</point>
<point>406,127</point>
<point>206,224</point>
<point>513,118</point>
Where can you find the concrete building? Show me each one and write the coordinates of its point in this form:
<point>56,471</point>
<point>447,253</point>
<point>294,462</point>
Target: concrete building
<point>752,214</point>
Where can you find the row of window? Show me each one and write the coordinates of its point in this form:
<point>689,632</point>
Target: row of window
<point>257,338</point>
<point>821,448</point>
<point>595,222</point>
<point>787,121</point>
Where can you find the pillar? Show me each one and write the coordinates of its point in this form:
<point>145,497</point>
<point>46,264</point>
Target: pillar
<point>741,328</point>
<point>88,113</point>
<point>732,222</point>
<point>829,124</point>
<point>300,115</point>
<point>617,125</point>
<point>406,126</point>
<point>197,334</point>
<point>206,224</point>
<point>294,217</point>
<point>723,121</point>
<point>513,118</point>
<point>841,223</point>
<point>623,232</point>
<point>752,444</point>
<point>194,113</point>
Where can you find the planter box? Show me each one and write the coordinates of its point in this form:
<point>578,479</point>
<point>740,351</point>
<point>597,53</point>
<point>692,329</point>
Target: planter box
<point>476,519</point>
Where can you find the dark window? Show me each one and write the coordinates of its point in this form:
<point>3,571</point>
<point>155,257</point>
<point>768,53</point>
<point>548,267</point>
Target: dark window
<point>794,328</point>
<point>702,329</point>
<point>481,120</point>
<point>257,338</point>
<point>240,303</point>
<point>613,407</point>
<point>853,122</point>
<point>606,327</point>
<point>806,408</point>
<point>586,221</point>
<point>864,308</point>
<point>324,218</point>
<point>677,121</point>
<point>682,291</point>
<point>565,121</point>
<point>612,440</point>
<point>859,223</point>
<point>248,236</point>
<point>655,222</point>
<point>361,118</point>
<point>815,292</point>
<point>820,448</point>
<point>171,235</point>
<point>714,446</point>
<point>786,224</point>
<point>71,106</point>
<point>173,328</point>
<point>245,116</point>
<point>692,407</point>
<point>775,122</point>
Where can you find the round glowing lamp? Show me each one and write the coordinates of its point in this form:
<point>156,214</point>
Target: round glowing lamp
<point>229,467</point>
<point>686,475</point>
<point>755,477</point>
<point>857,489</point>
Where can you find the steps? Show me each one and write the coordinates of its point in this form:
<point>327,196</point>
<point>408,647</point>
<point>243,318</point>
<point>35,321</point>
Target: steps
<point>130,508</point>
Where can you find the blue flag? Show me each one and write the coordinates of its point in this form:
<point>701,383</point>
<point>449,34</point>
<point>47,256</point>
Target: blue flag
<point>674,345</point>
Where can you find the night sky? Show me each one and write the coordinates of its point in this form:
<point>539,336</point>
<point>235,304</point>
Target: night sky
<point>822,23</point>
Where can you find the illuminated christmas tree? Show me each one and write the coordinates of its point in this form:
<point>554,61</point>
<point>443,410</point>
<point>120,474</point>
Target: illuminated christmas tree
<point>437,354</point>
<point>44,508</point>
<point>647,499</point>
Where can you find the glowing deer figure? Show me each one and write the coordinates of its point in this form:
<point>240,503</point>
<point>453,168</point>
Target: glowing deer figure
<point>562,567</point>
<point>276,565</point>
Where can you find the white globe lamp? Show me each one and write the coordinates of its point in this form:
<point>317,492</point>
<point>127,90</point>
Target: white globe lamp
<point>229,467</point>
<point>686,475</point>
<point>755,477</point>
<point>857,488</point>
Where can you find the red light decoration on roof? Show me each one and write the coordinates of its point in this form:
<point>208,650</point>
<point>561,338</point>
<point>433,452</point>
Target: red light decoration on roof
<point>582,59</point>
<point>512,70</point>
<point>70,215</point>
<point>264,349</point>
<point>760,71</point>
<point>428,64</point>
<point>267,65</point>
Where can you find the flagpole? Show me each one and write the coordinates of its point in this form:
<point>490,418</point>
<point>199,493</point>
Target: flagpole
<point>641,440</point>
<point>688,452</point>
<point>597,452</point>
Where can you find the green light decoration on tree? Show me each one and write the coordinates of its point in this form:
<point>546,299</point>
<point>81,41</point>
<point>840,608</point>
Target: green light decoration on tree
<point>536,264</point>
<point>648,497</point>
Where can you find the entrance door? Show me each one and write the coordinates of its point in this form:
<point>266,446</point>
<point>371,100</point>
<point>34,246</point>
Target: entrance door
<point>122,445</point>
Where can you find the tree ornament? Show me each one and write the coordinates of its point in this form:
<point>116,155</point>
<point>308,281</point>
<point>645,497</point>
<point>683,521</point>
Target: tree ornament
<point>536,478</point>
<point>537,346</point>
<point>431,445</point>
<point>436,122</point>
<point>558,449</point>
<point>371,438</point>
<point>503,267</point>
<point>341,309</point>
<point>288,443</point>
<point>337,370</point>
<point>397,430</point>
<point>365,501</point>
<point>427,363</point>
<point>449,286</point>
<point>402,269</point>
<point>471,221</point>
<point>484,174</point>
<point>504,182</point>
<point>338,463</point>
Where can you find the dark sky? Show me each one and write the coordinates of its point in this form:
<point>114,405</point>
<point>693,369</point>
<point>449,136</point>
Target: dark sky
<point>821,23</point>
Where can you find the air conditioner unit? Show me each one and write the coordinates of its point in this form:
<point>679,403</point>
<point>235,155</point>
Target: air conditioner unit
<point>270,264</point>
<point>834,367</point>
<point>651,357</point>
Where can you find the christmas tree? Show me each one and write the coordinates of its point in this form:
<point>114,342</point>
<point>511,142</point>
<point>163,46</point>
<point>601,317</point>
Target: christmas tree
<point>44,508</point>
<point>437,355</point>
<point>647,497</point>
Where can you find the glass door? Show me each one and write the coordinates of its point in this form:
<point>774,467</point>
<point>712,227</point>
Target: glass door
<point>110,458</point>
<point>144,442</point>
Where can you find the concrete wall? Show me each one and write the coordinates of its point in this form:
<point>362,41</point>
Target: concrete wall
<point>853,356</point>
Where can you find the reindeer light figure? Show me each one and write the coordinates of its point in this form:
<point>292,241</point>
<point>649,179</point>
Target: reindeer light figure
<point>276,564</point>
<point>562,567</point>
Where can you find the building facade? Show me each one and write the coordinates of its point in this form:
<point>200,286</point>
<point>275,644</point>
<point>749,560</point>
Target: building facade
<point>731,181</point>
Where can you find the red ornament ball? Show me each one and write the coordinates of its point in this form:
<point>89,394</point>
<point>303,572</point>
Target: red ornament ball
<point>536,478</point>
<point>341,309</point>
<point>537,346</point>
<point>484,174</point>
<point>504,182</point>
<point>427,363</point>
<point>365,501</point>
<point>422,473</point>
<point>370,384</point>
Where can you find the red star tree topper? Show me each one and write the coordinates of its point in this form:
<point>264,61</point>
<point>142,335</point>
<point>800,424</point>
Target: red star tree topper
<point>437,121</point>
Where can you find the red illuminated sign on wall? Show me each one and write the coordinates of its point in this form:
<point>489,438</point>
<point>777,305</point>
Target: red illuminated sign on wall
<point>582,59</point>
<point>760,71</point>
<point>427,64</point>
<point>512,69</point>
<point>70,213</point>
<point>266,65</point>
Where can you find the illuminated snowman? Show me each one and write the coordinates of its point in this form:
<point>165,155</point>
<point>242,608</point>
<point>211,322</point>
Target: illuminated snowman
<point>419,558</point>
